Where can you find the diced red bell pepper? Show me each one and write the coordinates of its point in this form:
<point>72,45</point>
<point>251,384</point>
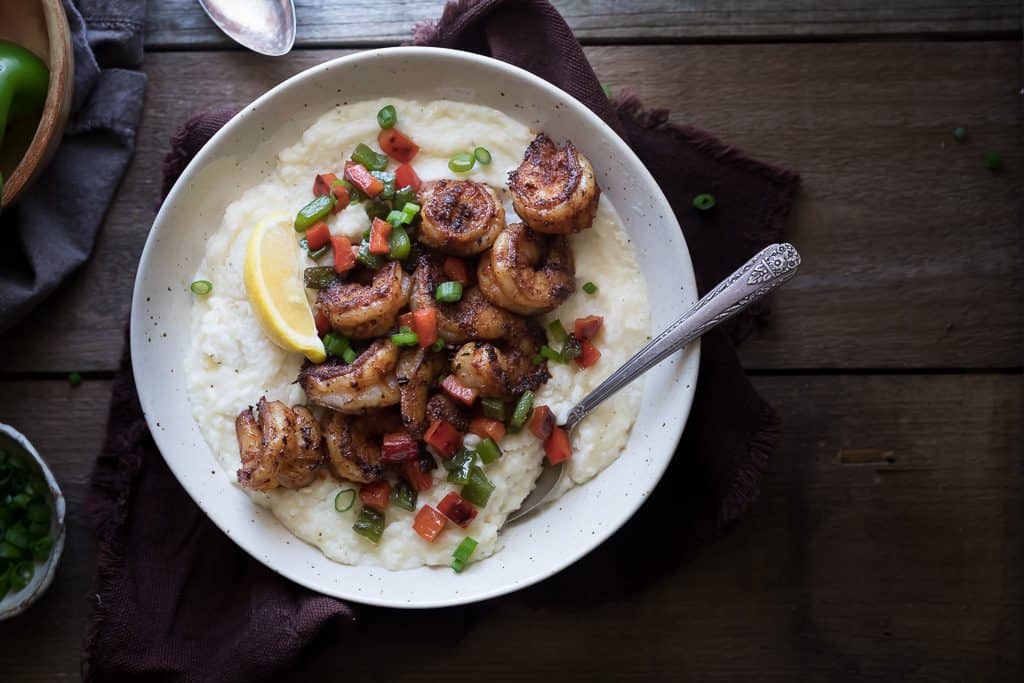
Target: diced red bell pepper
<point>455,269</point>
<point>414,474</point>
<point>397,145</point>
<point>398,447</point>
<point>589,355</point>
<point>443,437</point>
<point>428,523</point>
<point>587,328</point>
<point>542,422</point>
<point>376,495</point>
<point>405,176</point>
<point>486,428</point>
<point>318,235</point>
<point>341,197</point>
<point>459,391</point>
<point>323,183</point>
<point>323,325</point>
<point>456,509</point>
<point>380,234</point>
<point>344,259</point>
<point>557,446</point>
<point>425,326</point>
<point>361,178</point>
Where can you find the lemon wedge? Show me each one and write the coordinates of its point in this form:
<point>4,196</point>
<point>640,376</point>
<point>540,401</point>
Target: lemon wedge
<point>274,286</point>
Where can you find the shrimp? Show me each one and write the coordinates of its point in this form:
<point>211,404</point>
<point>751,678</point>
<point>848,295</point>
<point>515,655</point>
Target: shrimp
<point>460,217</point>
<point>281,448</point>
<point>472,317</point>
<point>440,407</point>
<point>554,189</point>
<point>526,272</point>
<point>417,370</point>
<point>502,370</point>
<point>366,311</point>
<point>368,382</point>
<point>353,451</point>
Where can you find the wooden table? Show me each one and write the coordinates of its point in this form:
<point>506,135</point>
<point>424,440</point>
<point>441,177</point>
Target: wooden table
<point>887,540</point>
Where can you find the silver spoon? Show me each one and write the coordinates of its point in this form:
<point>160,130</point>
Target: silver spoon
<point>264,26</point>
<point>773,266</point>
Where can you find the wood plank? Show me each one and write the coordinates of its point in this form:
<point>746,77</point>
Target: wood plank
<point>910,568</point>
<point>912,249</point>
<point>178,24</point>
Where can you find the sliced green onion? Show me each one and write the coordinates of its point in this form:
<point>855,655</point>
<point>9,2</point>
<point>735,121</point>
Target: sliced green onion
<point>370,524</point>
<point>522,410</point>
<point>488,450</point>
<point>349,355</point>
<point>316,254</point>
<point>402,197</point>
<point>345,499</point>
<point>388,178</point>
<point>387,117</point>
<point>449,292</point>
<point>438,345</point>
<point>38,512</point>
<point>405,337</point>
<point>478,489</point>
<point>993,161</point>
<point>462,162</point>
<point>366,258</point>
<point>313,212</point>
<point>548,353</point>
<point>9,552</point>
<point>409,212</point>
<point>335,344</point>
<point>404,496</point>
<point>373,161</point>
<point>960,133</point>
<point>17,536</point>
<point>395,218</point>
<point>41,548</point>
<point>590,288</point>
<point>319,277</point>
<point>494,408</point>
<point>704,202</point>
<point>400,244</point>
<point>557,330</point>
<point>74,379</point>
<point>201,287</point>
<point>459,466</point>
<point>460,558</point>
<point>482,155</point>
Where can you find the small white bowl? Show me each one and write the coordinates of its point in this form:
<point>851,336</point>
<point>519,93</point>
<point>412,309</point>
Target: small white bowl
<point>161,312</point>
<point>14,604</point>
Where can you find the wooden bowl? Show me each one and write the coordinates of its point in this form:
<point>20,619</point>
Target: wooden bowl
<point>41,27</point>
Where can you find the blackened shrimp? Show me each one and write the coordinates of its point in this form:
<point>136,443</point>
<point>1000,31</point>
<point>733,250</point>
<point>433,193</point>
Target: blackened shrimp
<point>440,407</point>
<point>554,189</point>
<point>417,370</point>
<point>365,311</point>
<point>279,448</point>
<point>501,370</point>
<point>472,317</point>
<point>527,272</point>
<point>369,381</point>
<point>353,447</point>
<point>460,217</point>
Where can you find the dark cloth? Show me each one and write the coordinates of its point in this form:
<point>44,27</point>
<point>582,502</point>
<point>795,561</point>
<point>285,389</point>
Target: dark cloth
<point>50,231</point>
<point>178,601</point>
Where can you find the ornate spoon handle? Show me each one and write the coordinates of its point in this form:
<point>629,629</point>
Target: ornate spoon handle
<point>770,268</point>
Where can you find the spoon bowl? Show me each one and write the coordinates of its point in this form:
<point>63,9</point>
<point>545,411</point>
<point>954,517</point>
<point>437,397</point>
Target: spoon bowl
<point>263,26</point>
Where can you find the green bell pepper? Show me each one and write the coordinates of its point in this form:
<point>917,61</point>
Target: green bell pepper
<point>24,81</point>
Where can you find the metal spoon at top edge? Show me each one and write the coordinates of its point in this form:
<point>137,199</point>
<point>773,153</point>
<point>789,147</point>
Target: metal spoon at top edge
<point>264,26</point>
<point>773,266</point>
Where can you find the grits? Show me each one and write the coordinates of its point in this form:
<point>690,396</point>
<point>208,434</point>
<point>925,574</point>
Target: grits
<point>230,363</point>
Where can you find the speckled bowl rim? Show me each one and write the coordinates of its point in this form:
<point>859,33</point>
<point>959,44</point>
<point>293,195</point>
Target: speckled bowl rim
<point>41,580</point>
<point>261,535</point>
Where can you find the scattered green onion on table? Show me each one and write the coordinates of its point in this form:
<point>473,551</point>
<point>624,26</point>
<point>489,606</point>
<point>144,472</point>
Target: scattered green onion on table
<point>25,515</point>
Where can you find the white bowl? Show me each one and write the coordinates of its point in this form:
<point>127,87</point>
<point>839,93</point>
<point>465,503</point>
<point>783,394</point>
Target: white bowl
<point>15,603</point>
<point>161,308</point>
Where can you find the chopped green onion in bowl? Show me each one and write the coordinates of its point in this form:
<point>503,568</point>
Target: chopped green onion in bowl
<point>345,499</point>
<point>449,292</point>
<point>201,287</point>
<point>482,155</point>
<point>405,337</point>
<point>462,162</point>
